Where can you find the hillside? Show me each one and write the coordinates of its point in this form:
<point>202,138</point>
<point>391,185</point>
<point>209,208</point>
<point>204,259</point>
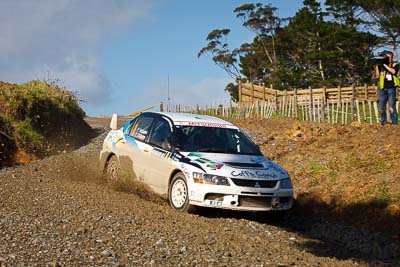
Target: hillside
<point>39,119</point>
<point>347,173</point>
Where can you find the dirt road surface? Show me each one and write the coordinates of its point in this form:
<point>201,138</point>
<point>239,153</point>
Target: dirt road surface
<point>58,212</point>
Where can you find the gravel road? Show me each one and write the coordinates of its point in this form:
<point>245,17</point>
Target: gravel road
<point>58,212</point>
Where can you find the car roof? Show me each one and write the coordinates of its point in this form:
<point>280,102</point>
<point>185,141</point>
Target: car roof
<point>196,120</point>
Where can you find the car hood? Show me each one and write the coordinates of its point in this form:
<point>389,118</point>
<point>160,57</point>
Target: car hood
<point>237,166</point>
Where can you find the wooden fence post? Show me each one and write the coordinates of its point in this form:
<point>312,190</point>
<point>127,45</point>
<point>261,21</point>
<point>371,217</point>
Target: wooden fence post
<point>370,112</point>
<point>337,111</point>
<point>343,107</point>
<point>353,96</point>
<point>161,106</point>
<point>366,91</point>
<point>240,90</point>
<point>263,85</point>
<point>364,110</point>
<point>295,102</point>
<point>324,96</point>
<point>327,108</point>
<point>311,105</point>
<point>285,103</point>
<point>376,111</point>
<point>252,92</point>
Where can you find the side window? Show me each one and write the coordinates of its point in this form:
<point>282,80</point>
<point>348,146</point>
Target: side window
<point>161,135</point>
<point>130,127</point>
<point>141,128</point>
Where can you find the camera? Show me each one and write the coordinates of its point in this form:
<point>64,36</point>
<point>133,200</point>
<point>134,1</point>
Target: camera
<point>381,58</point>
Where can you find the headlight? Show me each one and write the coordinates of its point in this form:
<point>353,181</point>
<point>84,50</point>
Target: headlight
<point>202,178</point>
<point>286,183</point>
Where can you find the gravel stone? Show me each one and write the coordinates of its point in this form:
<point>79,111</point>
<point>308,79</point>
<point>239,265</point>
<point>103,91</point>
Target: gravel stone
<point>59,212</point>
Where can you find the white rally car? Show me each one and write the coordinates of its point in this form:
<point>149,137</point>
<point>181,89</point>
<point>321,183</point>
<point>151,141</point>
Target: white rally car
<point>195,160</point>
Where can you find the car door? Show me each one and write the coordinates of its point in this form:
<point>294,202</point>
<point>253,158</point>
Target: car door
<point>140,151</point>
<point>160,158</point>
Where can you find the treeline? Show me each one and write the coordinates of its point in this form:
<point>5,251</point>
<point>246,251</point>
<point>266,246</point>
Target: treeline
<point>330,45</point>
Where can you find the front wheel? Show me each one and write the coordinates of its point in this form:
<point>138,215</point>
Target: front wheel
<point>178,194</point>
<point>112,170</point>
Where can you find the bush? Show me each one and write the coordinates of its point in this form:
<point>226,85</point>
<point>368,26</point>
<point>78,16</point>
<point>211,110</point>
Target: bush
<point>8,147</point>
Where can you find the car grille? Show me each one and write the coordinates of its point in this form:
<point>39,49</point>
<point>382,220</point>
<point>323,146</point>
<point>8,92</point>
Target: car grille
<point>244,165</point>
<point>254,183</point>
<point>255,202</point>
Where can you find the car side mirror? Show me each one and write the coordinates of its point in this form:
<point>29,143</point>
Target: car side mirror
<point>114,122</point>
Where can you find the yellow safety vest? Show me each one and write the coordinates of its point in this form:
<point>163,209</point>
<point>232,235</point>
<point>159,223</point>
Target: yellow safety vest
<point>382,76</point>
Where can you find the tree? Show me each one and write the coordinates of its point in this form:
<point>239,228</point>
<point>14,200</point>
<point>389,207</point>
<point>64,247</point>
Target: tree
<point>311,49</point>
<point>303,36</point>
<point>233,90</point>
<point>346,12</point>
<point>261,20</point>
<point>384,18</point>
<point>326,53</point>
<point>221,55</point>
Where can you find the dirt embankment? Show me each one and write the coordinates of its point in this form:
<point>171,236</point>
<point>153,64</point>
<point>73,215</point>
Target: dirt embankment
<point>347,173</point>
<point>58,212</point>
<point>38,119</point>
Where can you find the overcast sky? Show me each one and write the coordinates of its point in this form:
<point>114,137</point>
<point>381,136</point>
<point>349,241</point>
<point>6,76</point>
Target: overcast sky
<point>119,55</point>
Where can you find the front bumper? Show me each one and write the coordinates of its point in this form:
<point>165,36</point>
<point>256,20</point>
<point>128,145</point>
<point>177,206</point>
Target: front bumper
<point>240,198</point>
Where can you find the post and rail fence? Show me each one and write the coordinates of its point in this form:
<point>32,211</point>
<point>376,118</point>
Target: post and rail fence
<point>333,105</point>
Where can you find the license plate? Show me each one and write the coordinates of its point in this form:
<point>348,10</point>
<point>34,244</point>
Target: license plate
<point>214,203</point>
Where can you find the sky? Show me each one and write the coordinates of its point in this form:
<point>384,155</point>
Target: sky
<point>121,56</point>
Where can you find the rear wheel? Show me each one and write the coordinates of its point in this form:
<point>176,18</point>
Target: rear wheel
<point>112,170</point>
<point>178,194</point>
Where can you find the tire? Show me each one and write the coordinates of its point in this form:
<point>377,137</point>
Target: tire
<point>112,170</point>
<point>178,194</point>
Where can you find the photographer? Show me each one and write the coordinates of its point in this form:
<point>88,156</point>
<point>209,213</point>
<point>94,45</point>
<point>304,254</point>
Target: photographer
<point>386,75</point>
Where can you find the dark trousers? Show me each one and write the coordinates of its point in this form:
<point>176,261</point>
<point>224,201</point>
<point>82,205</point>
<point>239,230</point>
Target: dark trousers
<point>385,95</point>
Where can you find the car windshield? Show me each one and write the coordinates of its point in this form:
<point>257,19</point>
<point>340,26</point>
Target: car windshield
<point>212,139</point>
